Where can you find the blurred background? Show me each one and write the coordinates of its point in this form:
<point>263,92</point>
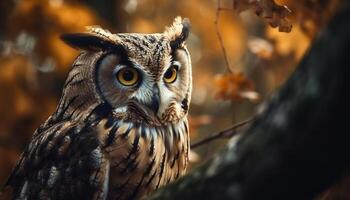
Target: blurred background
<point>34,62</point>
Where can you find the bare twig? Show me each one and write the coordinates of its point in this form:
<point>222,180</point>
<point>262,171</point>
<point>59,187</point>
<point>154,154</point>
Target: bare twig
<point>228,133</point>
<point>216,22</point>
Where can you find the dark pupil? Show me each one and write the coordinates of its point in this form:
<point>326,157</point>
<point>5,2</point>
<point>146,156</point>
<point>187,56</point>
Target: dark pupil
<point>128,75</point>
<point>168,73</point>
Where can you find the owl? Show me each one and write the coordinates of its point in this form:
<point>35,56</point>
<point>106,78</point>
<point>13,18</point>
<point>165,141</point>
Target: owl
<point>120,130</point>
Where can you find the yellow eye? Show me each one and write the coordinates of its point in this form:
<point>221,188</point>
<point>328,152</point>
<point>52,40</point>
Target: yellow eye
<point>128,76</point>
<point>170,75</point>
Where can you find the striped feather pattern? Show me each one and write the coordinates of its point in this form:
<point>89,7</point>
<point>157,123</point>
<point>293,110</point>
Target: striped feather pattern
<point>143,157</point>
<point>115,159</point>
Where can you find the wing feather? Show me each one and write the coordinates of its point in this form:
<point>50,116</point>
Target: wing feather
<point>64,161</point>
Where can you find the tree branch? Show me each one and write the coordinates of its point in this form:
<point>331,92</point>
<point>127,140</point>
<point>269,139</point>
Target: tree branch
<point>228,133</point>
<point>217,28</point>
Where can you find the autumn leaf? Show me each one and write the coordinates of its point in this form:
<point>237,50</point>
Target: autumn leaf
<point>272,13</point>
<point>235,87</point>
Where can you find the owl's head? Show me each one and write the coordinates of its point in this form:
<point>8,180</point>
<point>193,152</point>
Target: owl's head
<point>141,76</point>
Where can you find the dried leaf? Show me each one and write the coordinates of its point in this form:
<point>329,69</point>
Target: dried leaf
<point>274,14</point>
<point>235,87</point>
<point>311,15</point>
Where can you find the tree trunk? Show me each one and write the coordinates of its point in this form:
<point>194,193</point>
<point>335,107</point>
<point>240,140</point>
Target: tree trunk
<point>299,145</point>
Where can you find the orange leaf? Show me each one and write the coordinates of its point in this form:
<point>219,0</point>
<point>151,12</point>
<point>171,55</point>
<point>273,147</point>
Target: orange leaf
<point>274,14</point>
<point>235,87</point>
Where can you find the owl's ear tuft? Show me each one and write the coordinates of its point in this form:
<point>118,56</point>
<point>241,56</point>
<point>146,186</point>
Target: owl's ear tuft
<point>85,41</point>
<point>178,32</point>
<point>94,39</point>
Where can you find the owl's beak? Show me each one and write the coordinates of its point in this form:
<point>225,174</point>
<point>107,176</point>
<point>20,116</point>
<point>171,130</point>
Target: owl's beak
<point>154,106</point>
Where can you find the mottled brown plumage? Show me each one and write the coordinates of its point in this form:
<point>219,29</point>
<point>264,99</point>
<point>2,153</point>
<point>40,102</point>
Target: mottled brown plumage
<point>112,137</point>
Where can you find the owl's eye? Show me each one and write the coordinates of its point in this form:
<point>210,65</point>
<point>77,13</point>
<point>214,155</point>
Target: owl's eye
<point>171,74</point>
<point>128,76</point>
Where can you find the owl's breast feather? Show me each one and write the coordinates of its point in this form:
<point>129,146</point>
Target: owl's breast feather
<point>142,157</point>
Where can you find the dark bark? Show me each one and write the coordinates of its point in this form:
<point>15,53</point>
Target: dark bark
<point>299,145</point>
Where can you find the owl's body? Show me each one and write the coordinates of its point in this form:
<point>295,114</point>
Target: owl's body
<point>120,130</point>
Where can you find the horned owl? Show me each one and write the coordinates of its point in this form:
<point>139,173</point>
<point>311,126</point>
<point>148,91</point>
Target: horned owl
<point>120,130</point>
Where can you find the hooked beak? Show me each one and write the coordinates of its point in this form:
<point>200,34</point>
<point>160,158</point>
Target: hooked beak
<point>154,106</point>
